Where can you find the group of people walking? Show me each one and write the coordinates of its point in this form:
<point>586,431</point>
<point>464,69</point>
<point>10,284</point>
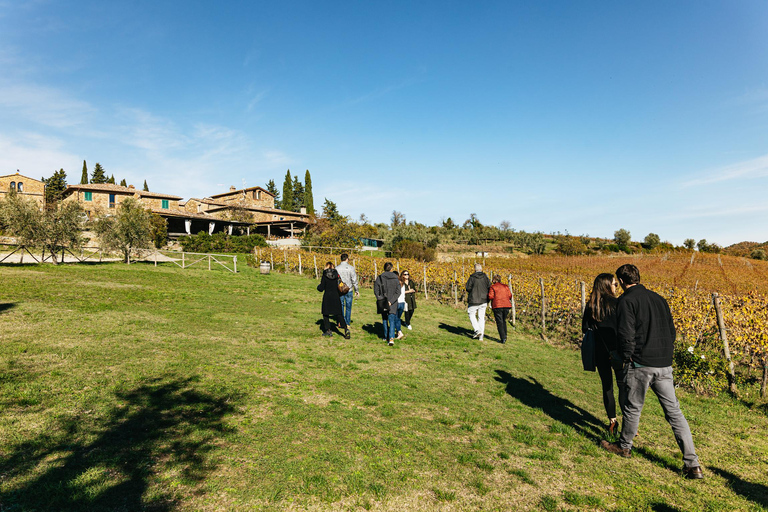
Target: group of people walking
<point>634,338</point>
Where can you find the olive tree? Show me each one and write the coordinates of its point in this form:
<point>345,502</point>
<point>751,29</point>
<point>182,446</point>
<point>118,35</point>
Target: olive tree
<point>622,238</point>
<point>652,240</point>
<point>57,228</point>
<point>130,228</point>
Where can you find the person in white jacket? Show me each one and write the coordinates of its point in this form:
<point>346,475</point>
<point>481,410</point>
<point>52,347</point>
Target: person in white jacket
<point>349,277</point>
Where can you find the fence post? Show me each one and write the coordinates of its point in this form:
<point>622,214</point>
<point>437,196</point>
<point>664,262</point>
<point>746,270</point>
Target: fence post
<point>234,261</point>
<point>425,282</point>
<point>209,262</point>
<point>543,306</point>
<point>155,258</point>
<point>512,300</point>
<point>398,267</point>
<point>271,260</point>
<point>375,270</point>
<point>285,261</point>
<point>300,269</point>
<point>724,339</point>
<point>183,263</point>
<point>314,256</point>
<point>583,287</point>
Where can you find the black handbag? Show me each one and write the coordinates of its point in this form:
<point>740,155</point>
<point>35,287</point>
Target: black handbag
<point>588,344</point>
<point>382,306</point>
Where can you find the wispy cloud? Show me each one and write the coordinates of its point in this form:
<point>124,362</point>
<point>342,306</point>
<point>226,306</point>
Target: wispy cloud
<point>756,168</point>
<point>43,105</point>
<point>255,100</point>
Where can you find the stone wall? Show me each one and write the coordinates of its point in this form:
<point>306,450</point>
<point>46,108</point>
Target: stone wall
<point>31,188</point>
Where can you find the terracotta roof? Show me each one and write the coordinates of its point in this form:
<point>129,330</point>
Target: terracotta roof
<point>20,176</point>
<point>109,187</point>
<point>241,191</point>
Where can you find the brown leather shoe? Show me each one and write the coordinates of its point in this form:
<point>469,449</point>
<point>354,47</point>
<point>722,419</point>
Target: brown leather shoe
<point>693,473</point>
<point>615,449</point>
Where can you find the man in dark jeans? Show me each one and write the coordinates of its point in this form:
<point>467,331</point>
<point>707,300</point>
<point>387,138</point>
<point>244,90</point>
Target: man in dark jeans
<point>646,337</point>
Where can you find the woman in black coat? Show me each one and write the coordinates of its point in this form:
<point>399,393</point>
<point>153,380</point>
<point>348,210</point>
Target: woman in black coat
<point>329,284</point>
<point>600,317</point>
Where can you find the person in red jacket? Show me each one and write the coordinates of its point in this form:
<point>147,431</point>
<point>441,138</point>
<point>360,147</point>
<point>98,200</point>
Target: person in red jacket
<point>500,302</point>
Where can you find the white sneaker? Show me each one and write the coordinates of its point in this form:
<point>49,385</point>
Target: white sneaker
<point>410,328</point>
<point>391,343</point>
<point>481,337</point>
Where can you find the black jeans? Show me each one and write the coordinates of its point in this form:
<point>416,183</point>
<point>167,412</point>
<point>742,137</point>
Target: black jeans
<point>408,315</point>
<point>500,315</point>
<point>327,322</point>
<point>606,371</point>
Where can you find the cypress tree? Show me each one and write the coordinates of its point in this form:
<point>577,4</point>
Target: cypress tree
<point>123,183</point>
<point>98,175</point>
<point>111,179</point>
<point>309,202</point>
<point>84,177</point>
<point>287,203</point>
<point>146,188</point>
<point>298,195</point>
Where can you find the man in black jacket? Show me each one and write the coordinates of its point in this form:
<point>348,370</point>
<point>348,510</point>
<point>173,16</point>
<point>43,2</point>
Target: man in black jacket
<point>478,286</point>
<point>387,286</point>
<point>646,337</point>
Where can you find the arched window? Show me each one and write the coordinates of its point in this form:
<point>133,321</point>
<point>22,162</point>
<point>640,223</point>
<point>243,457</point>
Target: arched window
<point>13,186</point>
<point>20,187</point>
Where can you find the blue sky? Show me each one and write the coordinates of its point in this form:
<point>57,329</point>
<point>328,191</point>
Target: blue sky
<point>583,117</point>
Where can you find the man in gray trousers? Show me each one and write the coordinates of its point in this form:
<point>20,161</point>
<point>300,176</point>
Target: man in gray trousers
<point>646,335</point>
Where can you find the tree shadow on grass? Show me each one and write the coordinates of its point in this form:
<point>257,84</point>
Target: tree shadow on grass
<point>663,507</point>
<point>454,329</point>
<point>756,493</point>
<point>165,428</point>
<point>531,393</point>
<point>6,306</point>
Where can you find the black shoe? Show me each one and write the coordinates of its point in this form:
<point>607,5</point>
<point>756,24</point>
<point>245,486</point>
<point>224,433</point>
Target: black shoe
<point>693,473</point>
<point>347,335</point>
<point>328,334</point>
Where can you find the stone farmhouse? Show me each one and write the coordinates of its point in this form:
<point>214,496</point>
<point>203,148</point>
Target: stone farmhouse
<point>24,186</point>
<point>234,212</point>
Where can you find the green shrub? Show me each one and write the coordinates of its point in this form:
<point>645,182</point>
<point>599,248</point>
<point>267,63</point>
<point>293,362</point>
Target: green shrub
<point>221,243</point>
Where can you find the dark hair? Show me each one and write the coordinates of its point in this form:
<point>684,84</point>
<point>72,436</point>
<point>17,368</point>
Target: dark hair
<point>388,266</point>
<point>344,256</point>
<point>497,278</point>
<point>328,264</point>
<point>402,276</point>
<point>629,274</point>
<point>598,304</point>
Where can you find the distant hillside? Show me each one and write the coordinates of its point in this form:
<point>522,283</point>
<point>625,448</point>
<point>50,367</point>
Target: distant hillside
<point>745,248</point>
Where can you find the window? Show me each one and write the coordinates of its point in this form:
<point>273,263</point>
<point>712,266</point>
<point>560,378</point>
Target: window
<point>20,187</point>
<point>257,194</point>
<point>88,196</point>
<point>13,186</point>
<point>165,204</point>
<point>111,200</point>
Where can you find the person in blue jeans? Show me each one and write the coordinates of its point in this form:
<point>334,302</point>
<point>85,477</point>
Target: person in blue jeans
<point>349,277</point>
<point>387,288</point>
<point>646,338</point>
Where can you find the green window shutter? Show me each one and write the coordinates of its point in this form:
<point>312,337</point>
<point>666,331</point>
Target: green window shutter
<point>89,196</point>
<point>165,204</point>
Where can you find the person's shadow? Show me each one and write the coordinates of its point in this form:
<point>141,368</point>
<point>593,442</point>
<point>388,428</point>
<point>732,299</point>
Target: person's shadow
<point>334,326</point>
<point>531,393</point>
<point>453,329</point>
<point>6,306</point>
<point>375,329</point>
<point>754,492</point>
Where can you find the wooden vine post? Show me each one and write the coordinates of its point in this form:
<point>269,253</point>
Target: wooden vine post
<point>455,291</point>
<point>314,257</point>
<point>724,339</point>
<point>543,307</point>
<point>425,282</point>
<point>375,270</point>
<point>285,261</point>
<point>271,260</point>
<point>513,314</point>
<point>583,288</point>
<point>300,269</point>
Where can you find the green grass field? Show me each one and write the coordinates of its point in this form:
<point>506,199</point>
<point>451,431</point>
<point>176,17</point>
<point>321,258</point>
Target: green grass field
<point>141,388</point>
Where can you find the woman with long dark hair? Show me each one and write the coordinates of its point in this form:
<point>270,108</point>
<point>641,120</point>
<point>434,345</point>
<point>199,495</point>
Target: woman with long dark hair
<point>329,285</point>
<point>600,317</point>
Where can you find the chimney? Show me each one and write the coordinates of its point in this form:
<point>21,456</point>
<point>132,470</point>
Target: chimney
<point>232,188</point>
<point>303,210</point>
<point>131,187</point>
